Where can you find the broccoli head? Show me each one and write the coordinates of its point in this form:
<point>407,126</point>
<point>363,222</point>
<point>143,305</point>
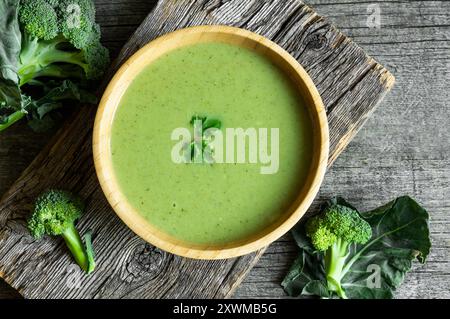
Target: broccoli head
<point>39,19</point>
<point>332,232</point>
<point>96,59</point>
<point>54,214</point>
<point>77,22</point>
<point>337,222</point>
<point>59,34</point>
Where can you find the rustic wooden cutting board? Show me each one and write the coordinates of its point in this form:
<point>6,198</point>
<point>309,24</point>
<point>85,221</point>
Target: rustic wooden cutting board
<point>351,84</point>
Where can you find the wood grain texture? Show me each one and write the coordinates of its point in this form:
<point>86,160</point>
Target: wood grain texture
<point>351,83</point>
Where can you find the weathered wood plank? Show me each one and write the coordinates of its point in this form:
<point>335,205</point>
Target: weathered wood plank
<point>127,266</point>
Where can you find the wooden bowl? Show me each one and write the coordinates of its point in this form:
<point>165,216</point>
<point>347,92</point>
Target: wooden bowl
<point>151,52</point>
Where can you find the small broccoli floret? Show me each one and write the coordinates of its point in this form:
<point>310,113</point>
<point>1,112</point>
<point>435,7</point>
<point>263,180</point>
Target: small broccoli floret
<point>96,58</point>
<point>39,19</point>
<point>77,21</point>
<point>55,214</point>
<point>332,232</point>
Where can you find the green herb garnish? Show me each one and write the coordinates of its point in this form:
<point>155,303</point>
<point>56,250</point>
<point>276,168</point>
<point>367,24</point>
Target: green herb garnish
<point>197,148</point>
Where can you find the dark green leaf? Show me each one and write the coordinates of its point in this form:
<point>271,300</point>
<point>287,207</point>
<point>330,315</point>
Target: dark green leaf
<point>306,276</point>
<point>41,115</point>
<point>66,91</point>
<point>212,123</point>
<point>89,252</point>
<point>316,288</point>
<point>400,235</point>
<point>299,234</point>
<point>10,40</point>
<point>10,96</point>
<point>197,118</point>
<point>13,105</point>
<point>46,123</point>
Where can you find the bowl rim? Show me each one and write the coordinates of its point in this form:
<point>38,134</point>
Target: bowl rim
<point>132,218</point>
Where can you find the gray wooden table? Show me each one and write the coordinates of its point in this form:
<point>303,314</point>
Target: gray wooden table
<point>403,149</point>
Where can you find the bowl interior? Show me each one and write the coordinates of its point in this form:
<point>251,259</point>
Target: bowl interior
<point>151,52</point>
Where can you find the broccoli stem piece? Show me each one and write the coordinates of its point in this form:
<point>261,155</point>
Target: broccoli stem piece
<point>11,119</point>
<point>76,247</point>
<point>57,71</point>
<point>335,258</point>
<point>89,252</point>
<point>38,57</point>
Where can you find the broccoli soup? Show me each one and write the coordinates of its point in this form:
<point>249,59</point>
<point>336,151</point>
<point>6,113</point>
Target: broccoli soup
<point>211,143</point>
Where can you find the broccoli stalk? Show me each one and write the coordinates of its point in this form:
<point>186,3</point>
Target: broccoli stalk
<point>55,214</point>
<point>333,232</point>
<point>76,247</point>
<point>11,119</point>
<point>335,258</point>
<point>38,59</point>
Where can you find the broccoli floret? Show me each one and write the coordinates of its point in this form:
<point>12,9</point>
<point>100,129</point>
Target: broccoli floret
<point>96,59</point>
<point>54,214</point>
<point>39,19</point>
<point>60,34</point>
<point>332,232</point>
<point>77,21</point>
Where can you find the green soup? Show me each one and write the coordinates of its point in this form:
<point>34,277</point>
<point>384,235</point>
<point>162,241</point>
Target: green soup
<point>209,203</point>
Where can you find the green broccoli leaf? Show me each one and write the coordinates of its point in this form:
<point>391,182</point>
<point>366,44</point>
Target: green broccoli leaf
<point>306,276</point>
<point>13,104</point>
<point>10,43</point>
<point>89,251</point>
<point>400,235</point>
<point>10,95</point>
<point>376,269</point>
<point>41,113</point>
<point>67,90</point>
